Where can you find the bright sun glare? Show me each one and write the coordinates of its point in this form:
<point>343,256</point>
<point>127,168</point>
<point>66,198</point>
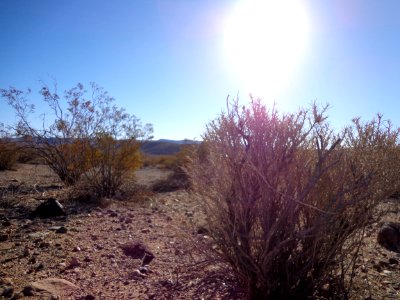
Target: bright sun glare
<point>265,41</point>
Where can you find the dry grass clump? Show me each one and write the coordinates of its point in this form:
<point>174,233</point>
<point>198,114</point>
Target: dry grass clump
<point>287,200</point>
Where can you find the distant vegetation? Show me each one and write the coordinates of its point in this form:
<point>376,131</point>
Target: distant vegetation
<point>165,147</point>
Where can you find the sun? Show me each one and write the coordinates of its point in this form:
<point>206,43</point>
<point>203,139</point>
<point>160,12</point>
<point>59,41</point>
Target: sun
<point>264,42</point>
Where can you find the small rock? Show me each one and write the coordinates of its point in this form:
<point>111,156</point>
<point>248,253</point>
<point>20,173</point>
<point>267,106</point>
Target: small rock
<point>77,249</point>
<point>148,257</point>
<point>6,223</point>
<point>44,245</point>
<point>377,267</point>
<point>39,267</point>
<point>74,263</point>
<point>135,250</point>
<point>87,259</point>
<point>32,260</point>
<point>28,291</point>
<point>389,236</point>
<point>54,228</point>
<point>364,269</point>
<point>38,240</point>
<point>383,263</point>
<point>62,229</point>
<point>8,292</point>
<point>25,226</point>
<point>166,283</point>
<point>3,237</point>
<point>48,209</point>
<point>89,297</point>
<point>136,275</point>
<point>113,214</point>
<point>326,287</point>
<point>144,269</point>
<point>202,230</point>
<point>55,286</point>
<point>393,261</point>
<point>189,214</point>
<point>145,230</point>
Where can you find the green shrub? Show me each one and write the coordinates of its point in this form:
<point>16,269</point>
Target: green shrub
<point>287,200</point>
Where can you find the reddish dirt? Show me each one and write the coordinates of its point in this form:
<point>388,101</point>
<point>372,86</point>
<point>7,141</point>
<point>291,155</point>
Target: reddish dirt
<point>89,254</point>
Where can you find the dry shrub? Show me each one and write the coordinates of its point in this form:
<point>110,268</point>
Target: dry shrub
<point>84,132</point>
<point>286,201</point>
<point>68,160</point>
<point>111,162</point>
<point>27,155</point>
<point>8,155</point>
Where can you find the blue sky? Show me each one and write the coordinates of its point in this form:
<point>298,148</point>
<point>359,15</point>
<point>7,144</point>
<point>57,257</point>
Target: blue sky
<point>165,61</point>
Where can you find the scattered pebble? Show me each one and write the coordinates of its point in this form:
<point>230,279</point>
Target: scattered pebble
<point>8,292</point>
<point>6,223</point>
<point>28,291</point>
<point>74,262</point>
<point>62,229</point>
<point>393,261</point>
<point>3,237</point>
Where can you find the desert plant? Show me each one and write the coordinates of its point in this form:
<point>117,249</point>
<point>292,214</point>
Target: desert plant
<point>111,161</point>
<point>71,141</point>
<point>8,154</point>
<point>285,201</point>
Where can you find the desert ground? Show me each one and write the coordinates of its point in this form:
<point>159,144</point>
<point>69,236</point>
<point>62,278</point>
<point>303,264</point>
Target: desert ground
<point>139,245</point>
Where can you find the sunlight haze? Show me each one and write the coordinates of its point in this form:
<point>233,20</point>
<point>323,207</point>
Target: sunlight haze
<point>173,63</point>
<point>264,42</point>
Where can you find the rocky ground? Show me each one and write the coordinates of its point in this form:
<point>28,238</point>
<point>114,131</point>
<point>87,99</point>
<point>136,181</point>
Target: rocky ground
<point>142,245</point>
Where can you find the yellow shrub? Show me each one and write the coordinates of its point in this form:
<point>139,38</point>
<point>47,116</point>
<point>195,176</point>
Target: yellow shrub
<point>110,161</point>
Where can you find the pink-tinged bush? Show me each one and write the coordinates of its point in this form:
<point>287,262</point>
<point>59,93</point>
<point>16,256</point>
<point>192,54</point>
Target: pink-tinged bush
<point>287,199</point>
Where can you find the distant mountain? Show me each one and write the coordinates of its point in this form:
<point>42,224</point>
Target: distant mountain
<point>165,146</point>
<point>158,147</point>
<point>180,142</point>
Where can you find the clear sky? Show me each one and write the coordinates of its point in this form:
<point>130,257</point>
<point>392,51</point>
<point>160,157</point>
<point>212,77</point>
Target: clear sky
<point>172,63</point>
